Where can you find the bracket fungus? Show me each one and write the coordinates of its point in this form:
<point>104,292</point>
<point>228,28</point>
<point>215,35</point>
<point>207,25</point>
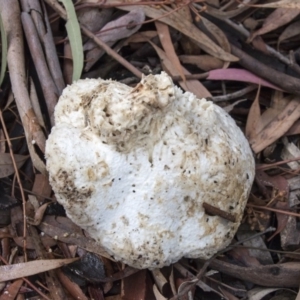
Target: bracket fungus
<point>134,166</point>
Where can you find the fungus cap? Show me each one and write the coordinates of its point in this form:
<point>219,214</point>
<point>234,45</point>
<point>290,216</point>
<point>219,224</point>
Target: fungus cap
<point>133,166</point>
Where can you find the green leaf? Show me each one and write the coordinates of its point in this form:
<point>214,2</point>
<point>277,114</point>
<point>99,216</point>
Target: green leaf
<point>3,52</point>
<point>74,34</point>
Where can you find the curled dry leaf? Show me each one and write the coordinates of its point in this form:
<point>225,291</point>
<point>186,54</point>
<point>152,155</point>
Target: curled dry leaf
<point>39,214</point>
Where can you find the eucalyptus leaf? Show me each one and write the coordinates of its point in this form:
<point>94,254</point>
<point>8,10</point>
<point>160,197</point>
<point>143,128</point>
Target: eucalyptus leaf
<point>74,34</point>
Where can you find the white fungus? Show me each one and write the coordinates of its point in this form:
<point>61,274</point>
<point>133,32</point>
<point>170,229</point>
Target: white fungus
<point>133,166</point>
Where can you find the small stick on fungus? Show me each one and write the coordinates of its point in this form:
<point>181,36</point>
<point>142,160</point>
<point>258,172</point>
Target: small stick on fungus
<point>215,211</point>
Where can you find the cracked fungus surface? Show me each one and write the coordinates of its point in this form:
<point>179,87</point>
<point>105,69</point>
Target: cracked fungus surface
<point>132,166</point>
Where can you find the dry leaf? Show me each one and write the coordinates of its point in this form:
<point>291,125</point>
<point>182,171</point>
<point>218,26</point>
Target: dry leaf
<point>277,127</point>
<point>277,105</point>
<point>260,293</point>
<point>254,122</point>
<point>71,286</point>
<point>256,245</point>
<point>118,29</point>
<point>35,104</point>
<point>221,14</point>
<point>31,244</point>
<point>242,257</point>
<point>289,32</point>
<point>39,214</point>
<point>166,41</point>
<point>10,272</point>
<point>66,231</point>
<point>219,35</point>
<point>11,292</point>
<point>157,294</point>
<point>203,62</point>
<point>6,164</point>
<point>277,18</point>
<point>161,282</point>
<point>290,151</point>
<point>175,20</point>
<point>137,286</point>
<point>113,31</point>
<point>141,37</point>
<point>282,3</point>
<point>282,219</point>
<point>2,142</point>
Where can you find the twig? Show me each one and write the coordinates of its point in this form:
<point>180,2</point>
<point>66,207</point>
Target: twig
<point>10,10</point>
<point>285,212</point>
<point>234,95</point>
<point>19,182</point>
<point>49,88</point>
<point>270,166</point>
<point>215,211</point>
<point>286,82</point>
